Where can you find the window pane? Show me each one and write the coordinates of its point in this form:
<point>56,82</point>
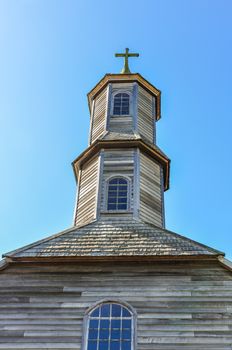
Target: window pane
<point>126,334</point>
<point>105,310</point>
<point>122,181</point>
<point>111,207</point>
<point>92,345</point>
<point>104,334</point>
<point>112,200</point>
<point>126,345</point>
<point>115,345</point>
<point>115,334</point>
<point>105,324</point>
<point>103,345</point>
<point>122,200</point>
<point>122,206</point>
<point>93,333</point>
<point>122,193</point>
<point>93,324</point>
<point>126,323</point>
<point>116,310</point>
<point>115,324</point>
<point>125,313</point>
<point>95,313</point>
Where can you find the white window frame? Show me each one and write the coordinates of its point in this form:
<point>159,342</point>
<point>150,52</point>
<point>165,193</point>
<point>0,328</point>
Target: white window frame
<point>128,193</point>
<point>121,91</point>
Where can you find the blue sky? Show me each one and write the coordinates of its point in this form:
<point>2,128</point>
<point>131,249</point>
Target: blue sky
<point>53,52</point>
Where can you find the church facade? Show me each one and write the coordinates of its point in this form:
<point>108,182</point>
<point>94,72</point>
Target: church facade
<point>118,279</point>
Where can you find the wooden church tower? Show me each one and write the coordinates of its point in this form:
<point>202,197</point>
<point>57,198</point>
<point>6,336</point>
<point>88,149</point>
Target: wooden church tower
<point>118,279</point>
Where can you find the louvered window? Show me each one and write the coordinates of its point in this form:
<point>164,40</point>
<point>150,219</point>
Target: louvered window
<point>117,194</point>
<point>110,327</point>
<point>121,104</point>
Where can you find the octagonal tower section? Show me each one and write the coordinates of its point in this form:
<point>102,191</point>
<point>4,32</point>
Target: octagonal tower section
<point>122,174</point>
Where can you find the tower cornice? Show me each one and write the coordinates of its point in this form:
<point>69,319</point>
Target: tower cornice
<point>111,78</point>
<point>152,151</point>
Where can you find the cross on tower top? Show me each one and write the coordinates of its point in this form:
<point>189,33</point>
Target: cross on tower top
<point>126,55</point>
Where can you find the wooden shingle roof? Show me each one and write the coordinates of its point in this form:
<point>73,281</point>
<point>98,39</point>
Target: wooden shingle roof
<point>118,238</point>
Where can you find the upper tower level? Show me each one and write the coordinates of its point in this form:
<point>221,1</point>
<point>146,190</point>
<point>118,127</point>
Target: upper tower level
<point>125,104</point>
<point>122,174</point>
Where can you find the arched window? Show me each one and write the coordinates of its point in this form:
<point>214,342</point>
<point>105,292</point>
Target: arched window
<point>110,327</point>
<point>117,194</point>
<point>121,104</point>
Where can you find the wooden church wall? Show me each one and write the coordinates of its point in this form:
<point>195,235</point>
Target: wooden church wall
<point>86,209</point>
<point>150,191</point>
<point>184,305</point>
<point>146,124</point>
<point>98,116</point>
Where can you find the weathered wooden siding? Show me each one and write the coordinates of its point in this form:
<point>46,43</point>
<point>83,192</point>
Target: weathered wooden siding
<point>151,207</point>
<point>98,118</point>
<point>87,196</point>
<point>179,305</point>
<point>118,162</point>
<point>122,124</point>
<point>146,124</point>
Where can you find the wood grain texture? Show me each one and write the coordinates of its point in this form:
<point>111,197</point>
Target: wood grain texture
<point>87,196</point>
<point>98,117</point>
<point>146,123</point>
<point>185,305</point>
<point>151,206</point>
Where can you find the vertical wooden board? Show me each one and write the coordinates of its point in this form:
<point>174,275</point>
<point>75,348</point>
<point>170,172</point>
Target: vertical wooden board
<point>151,207</point>
<point>87,198</point>
<point>145,115</point>
<point>99,116</point>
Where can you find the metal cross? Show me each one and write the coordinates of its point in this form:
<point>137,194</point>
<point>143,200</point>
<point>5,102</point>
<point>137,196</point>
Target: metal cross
<point>126,69</point>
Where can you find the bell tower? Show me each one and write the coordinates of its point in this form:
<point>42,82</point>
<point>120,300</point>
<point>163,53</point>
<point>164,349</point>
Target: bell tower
<point>122,174</point>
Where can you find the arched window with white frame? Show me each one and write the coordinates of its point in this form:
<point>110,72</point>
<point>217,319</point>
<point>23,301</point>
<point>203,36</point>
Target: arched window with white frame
<point>110,326</point>
<point>121,103</point>
<point>118,194</point>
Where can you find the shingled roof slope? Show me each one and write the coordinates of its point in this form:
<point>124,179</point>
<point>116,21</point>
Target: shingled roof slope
<point>114,239</point>
<point>111,135</point>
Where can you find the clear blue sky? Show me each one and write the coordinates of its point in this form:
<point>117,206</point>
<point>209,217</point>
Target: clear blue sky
<point>53,52</point>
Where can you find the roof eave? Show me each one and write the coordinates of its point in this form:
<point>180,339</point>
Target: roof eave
<point>99,144</point>
<point>122,258</point>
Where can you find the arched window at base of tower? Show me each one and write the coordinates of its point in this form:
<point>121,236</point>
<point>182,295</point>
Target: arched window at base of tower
<point>110,326</point>
<point>118,194</point>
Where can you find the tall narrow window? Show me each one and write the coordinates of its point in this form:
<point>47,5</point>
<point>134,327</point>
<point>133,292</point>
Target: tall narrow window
<point>117,194</point>
<point>121,104</point>
<point>110,327</point>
